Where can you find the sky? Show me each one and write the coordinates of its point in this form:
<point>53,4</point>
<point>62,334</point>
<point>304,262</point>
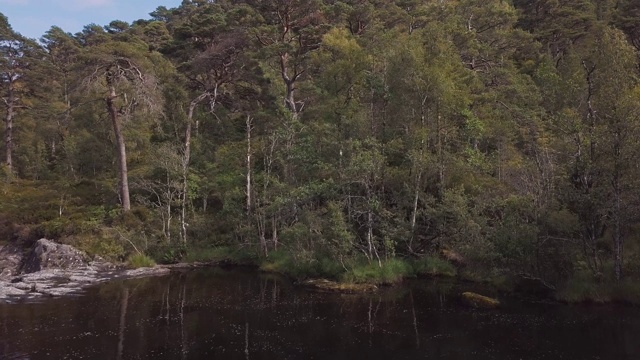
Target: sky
<point>32,18</point>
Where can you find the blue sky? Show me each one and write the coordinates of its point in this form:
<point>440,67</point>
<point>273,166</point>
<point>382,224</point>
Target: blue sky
<point>32,18</point>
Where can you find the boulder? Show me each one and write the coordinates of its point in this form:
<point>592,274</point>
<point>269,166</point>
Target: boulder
<point>47,254</point>
<point>479,301</point>
<point>10,258</point>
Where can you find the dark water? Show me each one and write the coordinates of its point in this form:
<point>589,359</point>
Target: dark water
<point>218,314</point>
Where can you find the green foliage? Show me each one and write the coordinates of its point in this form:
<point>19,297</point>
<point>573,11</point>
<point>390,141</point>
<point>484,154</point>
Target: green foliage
<point>100,244</point>
<point>229,254</point>
<point>332,136</point>
<point>434,266</point>
<point>140,260</point>
<point>391,271</point>
<point>583,287</point>
<point>167,253</point>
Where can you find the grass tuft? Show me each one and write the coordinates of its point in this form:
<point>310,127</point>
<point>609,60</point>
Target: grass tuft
<point>140,260</point>
<point>392,271</point>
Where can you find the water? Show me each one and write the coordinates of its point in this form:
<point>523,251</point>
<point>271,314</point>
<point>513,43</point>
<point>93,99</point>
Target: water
<point>241,314</point>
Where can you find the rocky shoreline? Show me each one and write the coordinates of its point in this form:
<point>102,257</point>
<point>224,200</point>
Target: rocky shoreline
<point>50,269</point>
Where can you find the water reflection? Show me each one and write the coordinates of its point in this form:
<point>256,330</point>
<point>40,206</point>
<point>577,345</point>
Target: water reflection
<point>239,314</point>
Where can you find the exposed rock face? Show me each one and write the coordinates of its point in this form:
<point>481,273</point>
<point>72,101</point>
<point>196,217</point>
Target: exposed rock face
<point>52,269</point>
<point>10,258</point>
<point>479,301</point>
<point>49,255</point>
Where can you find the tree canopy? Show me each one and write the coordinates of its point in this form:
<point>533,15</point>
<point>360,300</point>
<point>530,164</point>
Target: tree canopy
<point>356,130</point>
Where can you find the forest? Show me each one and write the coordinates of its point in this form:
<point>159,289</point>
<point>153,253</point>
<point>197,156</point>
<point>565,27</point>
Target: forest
<point>359,140</point>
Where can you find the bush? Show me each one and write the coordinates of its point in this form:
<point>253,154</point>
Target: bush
<point>434,266</point>
<point>98,243</point>
<point>140,260</point>
<point>300,268</point>
<point>583,287</point>
<point>167,253</point>
<point>221,253</point>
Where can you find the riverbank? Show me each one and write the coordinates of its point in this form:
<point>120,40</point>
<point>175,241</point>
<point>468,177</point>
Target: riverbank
<point>580,289</point>
<point>51,269</point>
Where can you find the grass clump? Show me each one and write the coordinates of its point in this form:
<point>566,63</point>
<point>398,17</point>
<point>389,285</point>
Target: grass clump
<point>627,291</point>
<point>392,271</point>
<point>583,287</point>
<point>434,266</point>
<point>140,260</point>
<point>302,267</point>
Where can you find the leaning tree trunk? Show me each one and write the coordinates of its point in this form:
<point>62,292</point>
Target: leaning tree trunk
<point>122,150</point>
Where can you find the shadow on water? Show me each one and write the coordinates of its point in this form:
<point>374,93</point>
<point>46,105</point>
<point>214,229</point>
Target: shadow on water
<point>241,314</point>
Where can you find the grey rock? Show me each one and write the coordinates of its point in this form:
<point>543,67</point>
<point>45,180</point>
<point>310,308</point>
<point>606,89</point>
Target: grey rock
<point>47,254</point>
<point>52,269</point>
<point>10,258</point>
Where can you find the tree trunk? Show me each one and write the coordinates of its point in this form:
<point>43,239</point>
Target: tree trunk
<point>185,169</point>
<point>187,158</point>
<point>122,150</point>
<point>289,82</point>
<point>248,167</point>
<point>617,210</point>
<point>618,241</point>
<point>9,134</point>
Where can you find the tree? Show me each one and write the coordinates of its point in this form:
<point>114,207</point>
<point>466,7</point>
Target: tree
<point>289,31</point>
<point>17,57</point>
<point>121,72</point>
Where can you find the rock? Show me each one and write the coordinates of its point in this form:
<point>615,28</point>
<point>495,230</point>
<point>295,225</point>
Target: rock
<point>47,254</point>
<point>479,301</point>
<point>10,258</point>
<point>533,286</point>
<point>52,269</point>
<point>332,286</point>
<point>144,272</point>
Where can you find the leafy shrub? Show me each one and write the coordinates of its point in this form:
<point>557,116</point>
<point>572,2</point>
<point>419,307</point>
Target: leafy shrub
<point>434,266</point>
<point>220,253</point>
<point>167,253</point>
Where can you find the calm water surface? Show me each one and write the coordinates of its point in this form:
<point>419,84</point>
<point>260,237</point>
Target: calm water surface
<point>241,314</point>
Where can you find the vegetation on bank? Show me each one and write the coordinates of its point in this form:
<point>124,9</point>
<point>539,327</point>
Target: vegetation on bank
<point>361,141</point>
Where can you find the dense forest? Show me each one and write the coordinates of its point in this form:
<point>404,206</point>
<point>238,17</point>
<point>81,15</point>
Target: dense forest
<point>335,137</point>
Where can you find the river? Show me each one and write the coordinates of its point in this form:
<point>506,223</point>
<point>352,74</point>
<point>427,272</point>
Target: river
<point>242,314</point>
